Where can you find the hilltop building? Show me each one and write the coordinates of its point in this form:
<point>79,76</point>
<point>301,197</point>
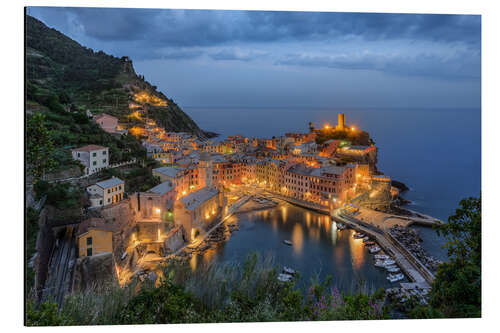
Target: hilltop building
<point>95,158</point>
<point>106,122</point>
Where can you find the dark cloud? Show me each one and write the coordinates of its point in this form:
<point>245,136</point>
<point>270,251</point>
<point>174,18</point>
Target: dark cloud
<point>206,27</point>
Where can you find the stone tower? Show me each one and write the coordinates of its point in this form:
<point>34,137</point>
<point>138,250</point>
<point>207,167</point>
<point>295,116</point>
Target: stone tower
<point>206,165</point>
<point>341,122</point>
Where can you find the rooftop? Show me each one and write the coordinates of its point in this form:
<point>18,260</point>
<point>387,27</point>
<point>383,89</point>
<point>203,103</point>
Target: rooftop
<point>162,188</point>
<point>93,223</point>
<point>195,199</point>
<point>169,171</point>
<point>110,182</point>
<point>89,148</point>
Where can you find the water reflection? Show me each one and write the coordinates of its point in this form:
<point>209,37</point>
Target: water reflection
<point>318,247</point>
<point>334,233</point>
<point>357,250</point>
<point>297,238</point>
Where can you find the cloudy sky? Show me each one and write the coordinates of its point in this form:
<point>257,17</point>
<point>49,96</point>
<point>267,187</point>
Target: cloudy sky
<point>252,58</point>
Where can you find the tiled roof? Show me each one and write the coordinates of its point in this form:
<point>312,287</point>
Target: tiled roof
<point>162,188</point>
<point>110,182</point>
<point>89,148</point>
<point>169,171</point>
<point>93,223</point>
<point>195,199</point>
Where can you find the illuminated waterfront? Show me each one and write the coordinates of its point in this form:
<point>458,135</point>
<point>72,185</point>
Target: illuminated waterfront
<point>317,246</point>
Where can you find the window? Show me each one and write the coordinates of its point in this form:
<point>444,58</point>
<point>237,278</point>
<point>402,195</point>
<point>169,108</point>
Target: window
<point>89,241</point>
<point>109,200</point>
<point>100,202</point>
<point>94,154</point>
<point>104,152</point>
<point>78,154</point>
<point>119,187</point>
<point>109,191</point>
<point>94,163</point>
<point>104,161</point>
<point>89,252</point>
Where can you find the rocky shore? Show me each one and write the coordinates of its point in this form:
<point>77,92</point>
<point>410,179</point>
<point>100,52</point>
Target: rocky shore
<point>411,240</point>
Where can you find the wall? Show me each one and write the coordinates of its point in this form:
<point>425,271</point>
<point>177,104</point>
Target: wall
<point>102,241</point>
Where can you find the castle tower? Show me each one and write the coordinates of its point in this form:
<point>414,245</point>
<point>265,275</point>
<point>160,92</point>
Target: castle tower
<point>341,122</point>
<point>206,168</point>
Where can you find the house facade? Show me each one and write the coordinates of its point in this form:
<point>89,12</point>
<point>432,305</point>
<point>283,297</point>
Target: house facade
<point>106,192</point>
<point>94,237</point>
<point>95,158</point>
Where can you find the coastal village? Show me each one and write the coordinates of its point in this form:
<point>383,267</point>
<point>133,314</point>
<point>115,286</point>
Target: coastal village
<point>125,235</point>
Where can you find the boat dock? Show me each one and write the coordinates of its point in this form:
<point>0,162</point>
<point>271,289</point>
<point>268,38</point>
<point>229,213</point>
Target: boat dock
<point>415,270</point>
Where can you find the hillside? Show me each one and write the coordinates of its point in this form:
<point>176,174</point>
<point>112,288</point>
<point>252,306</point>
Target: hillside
<point>62,75</point>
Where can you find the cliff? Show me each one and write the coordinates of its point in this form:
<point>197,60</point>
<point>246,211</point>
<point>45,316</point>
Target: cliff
<point>62,74</point>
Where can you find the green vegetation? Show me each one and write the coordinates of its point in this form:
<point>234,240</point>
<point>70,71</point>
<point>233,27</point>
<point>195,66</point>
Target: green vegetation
<point>39,147</point>
<point>45,315</point>
<point>64,76</point>
<point>137,178</point>
<point>456,291</point>
<point>226,293</point>
<point>60,195</point>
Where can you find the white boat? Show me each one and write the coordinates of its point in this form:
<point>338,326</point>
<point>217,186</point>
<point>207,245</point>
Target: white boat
<point>395,277</point>
<point>380,263</point>
<point>288,270</point>
<point>369,243</point>
<point>389,262</point>
<point>359,235</point>
<point>287,242</point>
<point>366,239</point>
<point>340,226</point>
<point>392,269</point>
<point>381,256</point>
<point>284,277</point>
<point>374,249</point>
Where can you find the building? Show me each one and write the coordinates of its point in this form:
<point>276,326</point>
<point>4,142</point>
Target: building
<point>157,203</point>
<point>106,122</point>
<point>95,158</point>
<point>198,210</point>
<point>341,122</point>
<point>94,236</point>
<point>106,192</point>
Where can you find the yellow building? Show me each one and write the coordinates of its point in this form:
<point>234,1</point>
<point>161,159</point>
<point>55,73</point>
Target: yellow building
<point>94,236</point>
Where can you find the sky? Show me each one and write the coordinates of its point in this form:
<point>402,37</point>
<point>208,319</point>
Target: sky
<point>214,58</point>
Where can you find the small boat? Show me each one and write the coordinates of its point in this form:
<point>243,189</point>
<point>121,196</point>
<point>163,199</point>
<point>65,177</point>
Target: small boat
<point>359,235</point>
<point>288,270</point>
<point>287,242</point>
<point>369,243</point>
<point>389,262</point>
<point>340,226</point>
<point>374,249</point>
<point>284,277</point>
<point>392,269</point>
<point>395,277</point>
<point>381,256</point>
<point>366,239</point>
<point>380,263</point>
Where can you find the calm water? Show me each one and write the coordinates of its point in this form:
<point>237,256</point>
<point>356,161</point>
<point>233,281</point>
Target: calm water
<point>436,152</point>
<point>318,247</point>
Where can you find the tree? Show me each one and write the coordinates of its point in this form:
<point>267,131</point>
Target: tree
<point>456,291</point>
<point>39,147</point>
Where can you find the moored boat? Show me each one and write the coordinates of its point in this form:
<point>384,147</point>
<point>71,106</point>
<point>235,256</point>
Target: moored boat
<point>288,270</point>
<point>389,262</point>
<point>374,249</point>
<point>395,277</point>
<point>369,243</point>
<point>392,269</point>
<point>381,256</point>
<point>366,239</point>
<point>287,242</point>
<point>379,263</point>
<point>359,235</point>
